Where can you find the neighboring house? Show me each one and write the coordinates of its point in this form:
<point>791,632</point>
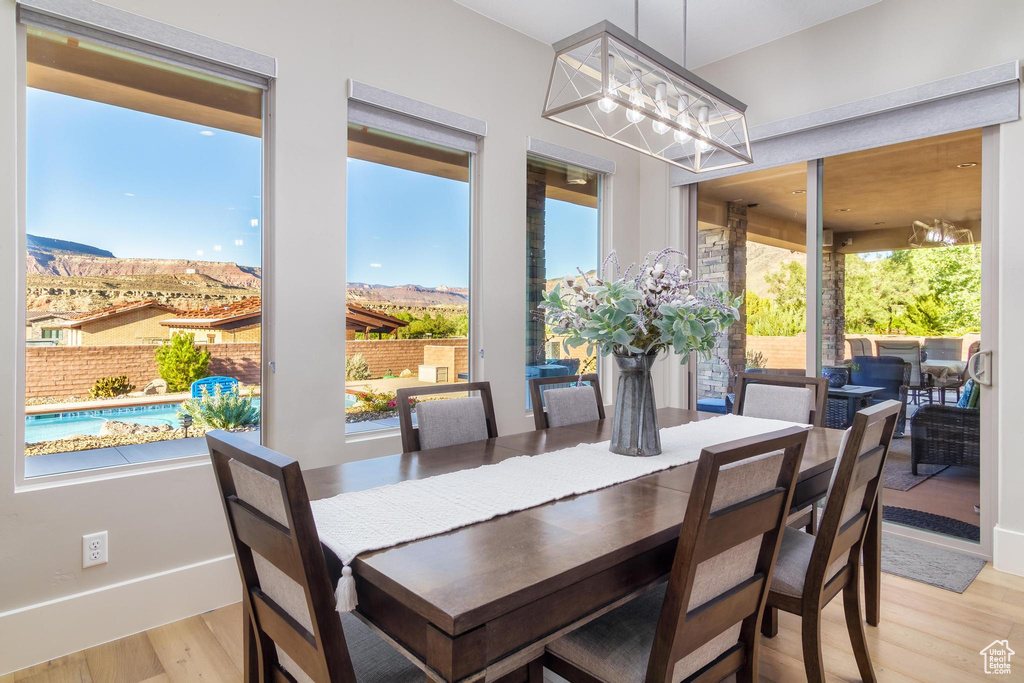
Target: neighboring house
<point>135,322</point>
<point>368,321</point>
<point>39,325</point>
<point>235,322</point>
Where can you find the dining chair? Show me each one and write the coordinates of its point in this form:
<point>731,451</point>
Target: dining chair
<point>703,623</point>
<point>445,422</point>
<point>811,570</point>
<point>909,350</point>
<point>293,631</point>
<point>566,405</point>
<point>794,398</point>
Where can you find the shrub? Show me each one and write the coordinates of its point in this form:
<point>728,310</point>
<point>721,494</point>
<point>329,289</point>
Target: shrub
<point>756,360</point>
<point>109,387</point>
<point>379,401</point>
<point>181,362</point>
<point>222,410</point>
<point>356,367</point>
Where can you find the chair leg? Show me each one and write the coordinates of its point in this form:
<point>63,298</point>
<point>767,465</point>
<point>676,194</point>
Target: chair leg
<point>250,651</point>
<point>770,622</point>
<point>812,526</point>
<point>535,671</point>
<point>855,625</point>
<point>810,635</point>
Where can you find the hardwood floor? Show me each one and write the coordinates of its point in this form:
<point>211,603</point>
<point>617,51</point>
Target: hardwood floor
<point>953,492</point>
<point>926,634</point>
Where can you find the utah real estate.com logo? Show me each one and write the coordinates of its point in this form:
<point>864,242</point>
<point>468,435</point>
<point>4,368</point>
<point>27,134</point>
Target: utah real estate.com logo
<point>997,657</point>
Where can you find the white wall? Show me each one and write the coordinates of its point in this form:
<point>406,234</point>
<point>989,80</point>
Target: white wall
<point>888,46</point>
<point>166,525</point>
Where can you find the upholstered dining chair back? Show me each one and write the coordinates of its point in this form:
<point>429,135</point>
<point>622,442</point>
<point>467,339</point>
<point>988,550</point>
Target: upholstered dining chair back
<point>578,401</point>
<point>723,565</point>
<point>908,350</point>
<point>445,422</point>
<point>793,398</point>
<point>859,346</point>
<point>286,588</point>
<point>943,348</point>
<point>851,496</point>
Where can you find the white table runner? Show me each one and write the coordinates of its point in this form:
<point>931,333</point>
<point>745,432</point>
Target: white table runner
<point>382,517</point>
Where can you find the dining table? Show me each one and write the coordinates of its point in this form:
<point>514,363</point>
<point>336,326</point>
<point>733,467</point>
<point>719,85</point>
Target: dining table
<point>481,602</point>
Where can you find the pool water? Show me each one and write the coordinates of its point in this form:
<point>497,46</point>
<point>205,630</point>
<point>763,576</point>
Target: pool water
<point>51,426</point>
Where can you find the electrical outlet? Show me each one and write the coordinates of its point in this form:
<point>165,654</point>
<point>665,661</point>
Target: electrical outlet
<point>94,549</point>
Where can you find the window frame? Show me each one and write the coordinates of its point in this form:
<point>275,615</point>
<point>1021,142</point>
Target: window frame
<point>84,476</point>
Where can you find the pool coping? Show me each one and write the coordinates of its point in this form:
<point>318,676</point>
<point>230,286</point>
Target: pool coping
<point>103,404</point>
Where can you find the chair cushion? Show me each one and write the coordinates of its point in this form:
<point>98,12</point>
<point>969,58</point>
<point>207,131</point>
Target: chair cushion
<point>965,395</point>
<point>793,404</point>
<point>451,421</point>
<point>794,560</point>
<point>570,405</point>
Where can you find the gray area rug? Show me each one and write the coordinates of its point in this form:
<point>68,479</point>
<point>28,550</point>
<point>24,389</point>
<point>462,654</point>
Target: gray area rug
<point>897,475</point>
<point>919,561</point>
<point>931,522</point>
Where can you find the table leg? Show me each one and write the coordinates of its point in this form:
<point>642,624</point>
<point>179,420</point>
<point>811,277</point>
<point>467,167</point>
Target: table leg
<point>851,410</point>
<point>873,563</point>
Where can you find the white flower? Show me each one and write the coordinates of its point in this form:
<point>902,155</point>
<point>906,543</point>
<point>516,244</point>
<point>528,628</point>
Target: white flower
<point>658,270</point>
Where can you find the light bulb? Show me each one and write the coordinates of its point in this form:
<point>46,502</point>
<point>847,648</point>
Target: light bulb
<point>662,108</point>
<point>635,113</point>
<point>683,119</point>
<point>606,103</point>
<point>702,120</point>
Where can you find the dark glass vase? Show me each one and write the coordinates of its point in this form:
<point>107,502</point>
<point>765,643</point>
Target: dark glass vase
<point>635,424</point>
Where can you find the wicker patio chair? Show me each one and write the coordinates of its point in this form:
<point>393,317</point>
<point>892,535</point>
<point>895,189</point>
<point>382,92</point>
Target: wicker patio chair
<point>945,435</point>
<point>909,350</point>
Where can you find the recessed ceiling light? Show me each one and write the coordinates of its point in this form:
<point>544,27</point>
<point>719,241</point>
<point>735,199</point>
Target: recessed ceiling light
<point>207,133</point>
<point>737,200</point>
<point>967,164</point>
<point>842,210</point>
<point>799,191</point>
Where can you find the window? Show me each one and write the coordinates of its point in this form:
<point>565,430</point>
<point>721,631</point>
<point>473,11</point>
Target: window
<point>563,238</point>
<point>144,231</point>
<point>407,300</point>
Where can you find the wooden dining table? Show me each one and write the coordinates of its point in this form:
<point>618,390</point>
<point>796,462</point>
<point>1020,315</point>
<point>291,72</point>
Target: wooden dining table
<point>481,602</point>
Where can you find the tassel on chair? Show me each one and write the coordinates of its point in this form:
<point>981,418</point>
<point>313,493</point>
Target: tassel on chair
<point>346,592</point>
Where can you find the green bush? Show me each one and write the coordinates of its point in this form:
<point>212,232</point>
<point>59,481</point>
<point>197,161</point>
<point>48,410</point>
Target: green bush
<point>756,360</point>
<point>222,410</point>
<point>356,367</point>
<point>109,387</point>
<point>181,362</point>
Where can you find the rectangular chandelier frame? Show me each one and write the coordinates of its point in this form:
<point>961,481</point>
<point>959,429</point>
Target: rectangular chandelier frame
<point>708,126</point>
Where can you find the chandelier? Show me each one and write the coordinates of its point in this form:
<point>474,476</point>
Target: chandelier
<point>607,83</point>
<point>941,233</point>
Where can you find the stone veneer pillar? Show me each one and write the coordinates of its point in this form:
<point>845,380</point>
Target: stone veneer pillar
<point>722,258</point>
<point>833,308</point>
<point>536,189</point>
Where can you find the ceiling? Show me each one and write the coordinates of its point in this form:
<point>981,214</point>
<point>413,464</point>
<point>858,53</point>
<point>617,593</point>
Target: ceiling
<point>716,28</point>
<point>872,195</point>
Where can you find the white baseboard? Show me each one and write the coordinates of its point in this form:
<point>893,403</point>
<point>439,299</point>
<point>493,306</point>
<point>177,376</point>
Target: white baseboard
<point>1008,550</point>
<point>46,630</point>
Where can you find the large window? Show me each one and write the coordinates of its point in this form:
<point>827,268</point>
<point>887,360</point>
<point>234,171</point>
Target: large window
<point>144,256</point>
<point>408,272</point>
<point>563,239</point>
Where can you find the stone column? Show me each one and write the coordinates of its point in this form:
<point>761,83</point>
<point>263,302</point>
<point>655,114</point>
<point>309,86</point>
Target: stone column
<point>722,258</point>
<point>833,308</point>
<point>536,187</point>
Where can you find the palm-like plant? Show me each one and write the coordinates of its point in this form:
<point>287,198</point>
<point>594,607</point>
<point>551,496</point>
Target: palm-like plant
<point>222,410</point>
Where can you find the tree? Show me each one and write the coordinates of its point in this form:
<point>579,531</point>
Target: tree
<point>181,362</point>
<point>782,314</point>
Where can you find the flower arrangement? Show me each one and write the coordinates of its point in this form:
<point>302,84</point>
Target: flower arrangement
<point>641,311</point>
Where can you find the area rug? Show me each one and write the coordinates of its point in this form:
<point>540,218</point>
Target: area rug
<point>926,563</point>
<point>931,522</point>
<point>897,475</point>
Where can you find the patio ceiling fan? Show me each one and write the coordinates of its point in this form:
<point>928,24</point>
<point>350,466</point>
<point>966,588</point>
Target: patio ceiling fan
<point>941,233</point>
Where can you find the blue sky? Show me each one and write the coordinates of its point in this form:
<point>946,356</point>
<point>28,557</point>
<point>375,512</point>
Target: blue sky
<point>140,185</point>
<point>410,228</point>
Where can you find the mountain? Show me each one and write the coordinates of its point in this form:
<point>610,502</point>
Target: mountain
<point>412,296</point>
<point>70,276</point>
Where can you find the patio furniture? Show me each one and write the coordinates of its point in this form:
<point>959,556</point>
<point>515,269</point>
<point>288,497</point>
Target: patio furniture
<point>845,401</point>
<point>228,385</point>
<point>893,374</point>
<point>947,435</point>
<point>434,374</point>
<point>781,397</point>
<point>811,570</point>
<point>575,557</point>
<point>546,369</point>
<point>722,406</point>
<point>859,346</point>
<point>446,422</point>
<point>558,402</point>
<point>291,628</point>
<point>943,362</point>
<point>706,617</point>
<point>909,350</point>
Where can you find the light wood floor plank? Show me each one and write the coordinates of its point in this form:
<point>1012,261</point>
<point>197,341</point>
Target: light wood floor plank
<point>226,625</point>
<point>189,652</point>
<point>71,668</point>
<point>128,660</point>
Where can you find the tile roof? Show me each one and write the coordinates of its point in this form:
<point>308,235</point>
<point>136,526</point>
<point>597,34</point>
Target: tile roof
<point>118,309</point>
<point>31,316</point>
<point>212,316</point>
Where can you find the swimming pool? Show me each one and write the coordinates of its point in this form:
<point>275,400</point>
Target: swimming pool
<point>52,426</point>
